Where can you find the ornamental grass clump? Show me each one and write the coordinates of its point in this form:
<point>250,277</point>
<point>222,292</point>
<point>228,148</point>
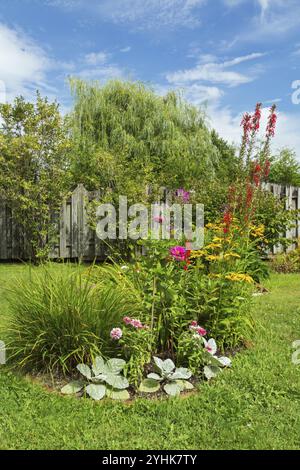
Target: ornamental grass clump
<point>59,318</point>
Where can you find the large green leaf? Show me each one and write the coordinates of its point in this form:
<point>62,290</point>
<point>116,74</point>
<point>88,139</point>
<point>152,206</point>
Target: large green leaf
<point>185,385</point>
<point>115,366</point>
<point>72,388</point>
<point>98,365</point>
<point>181,373</point>
<point>118,394</point>
<point>154,376</point>
<point>116,381</point>
<point>97,392</point>
<point>98,379</point>
<point>149,386</point>
<point>168,366</point>
<point>224,361</point>
<point>173,389</point>
<point>211,372</point>
<point>85,371</point>
<point>159,363</point>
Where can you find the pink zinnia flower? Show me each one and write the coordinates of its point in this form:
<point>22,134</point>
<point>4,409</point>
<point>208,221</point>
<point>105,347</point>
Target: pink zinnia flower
<point>178,253</point>
<point>116,334</point>
<point>136,324</point>
<point>201,331</point>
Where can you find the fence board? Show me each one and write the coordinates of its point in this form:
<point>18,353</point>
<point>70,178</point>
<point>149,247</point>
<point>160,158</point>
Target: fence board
<point>75,239</point>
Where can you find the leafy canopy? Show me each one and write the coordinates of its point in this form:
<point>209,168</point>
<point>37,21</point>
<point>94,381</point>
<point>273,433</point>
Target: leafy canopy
<point>33,168</point>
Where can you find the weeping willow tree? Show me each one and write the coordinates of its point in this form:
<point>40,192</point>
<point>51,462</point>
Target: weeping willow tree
<point>126,135</point>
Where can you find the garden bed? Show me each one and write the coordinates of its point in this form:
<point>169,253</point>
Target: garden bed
<point>260,393</point>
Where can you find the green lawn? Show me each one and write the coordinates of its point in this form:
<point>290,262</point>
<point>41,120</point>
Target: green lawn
<point>256,405</point>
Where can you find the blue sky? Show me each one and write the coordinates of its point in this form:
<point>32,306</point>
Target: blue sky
<point>224,55</point>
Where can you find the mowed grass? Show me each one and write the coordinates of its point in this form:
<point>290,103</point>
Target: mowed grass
<point>256,405</point>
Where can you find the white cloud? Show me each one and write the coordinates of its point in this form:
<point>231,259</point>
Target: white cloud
<point>214,72</point>
<point>96,58</point>
<point>275,19</point>
<point>264,4</point>
<point>23,64</point>
<point>142,14</point>
<point>98,67</point>
<point>199,94</point>
<point>125,49</point>
<point>152,14</point>
<point>107,72</point>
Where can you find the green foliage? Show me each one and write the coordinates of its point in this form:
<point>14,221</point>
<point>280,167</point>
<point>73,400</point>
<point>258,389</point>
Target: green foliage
<point>104,378</point>
<point>173,380</point>
<point>151,139</point>
<point>288,262</point>
<point>137,347</point>
<point>34,164</point>
<point>285,168</point>
<point>271,212</point>
<point>228,163</point>
<point>200,354</point>
<point>60,318</point>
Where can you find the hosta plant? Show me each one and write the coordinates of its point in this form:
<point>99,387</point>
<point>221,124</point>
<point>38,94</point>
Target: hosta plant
<point>102,379</point>
<point>173,380</point>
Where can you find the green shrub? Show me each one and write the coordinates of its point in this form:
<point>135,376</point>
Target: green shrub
<point>59,318</point>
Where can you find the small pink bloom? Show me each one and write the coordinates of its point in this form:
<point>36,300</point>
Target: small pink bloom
<point>201,331</point>
<point>178,253</point>
<point>194,323</point>
<point>127,320</point>
<point>136,324</point>
<point>116,334</point>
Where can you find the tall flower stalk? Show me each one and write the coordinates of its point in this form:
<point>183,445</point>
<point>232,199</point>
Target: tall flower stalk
<point>242,195</point>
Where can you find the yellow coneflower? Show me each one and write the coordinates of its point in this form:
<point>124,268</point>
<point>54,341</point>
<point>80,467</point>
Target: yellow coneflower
<point>231,255</point>
<point>239,277</point>
<point>212,257</point>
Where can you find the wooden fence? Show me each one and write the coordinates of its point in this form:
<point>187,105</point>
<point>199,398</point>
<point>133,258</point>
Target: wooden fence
<point>75,239</point>
<point>291,194</point>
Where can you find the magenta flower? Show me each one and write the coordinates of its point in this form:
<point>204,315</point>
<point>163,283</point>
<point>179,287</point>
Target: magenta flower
<point>178,253</point>
<point>198,329</point>
<point>127,320</point>
<point>201,331</point>
<point>116,334</point>
<point>183,194</point>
